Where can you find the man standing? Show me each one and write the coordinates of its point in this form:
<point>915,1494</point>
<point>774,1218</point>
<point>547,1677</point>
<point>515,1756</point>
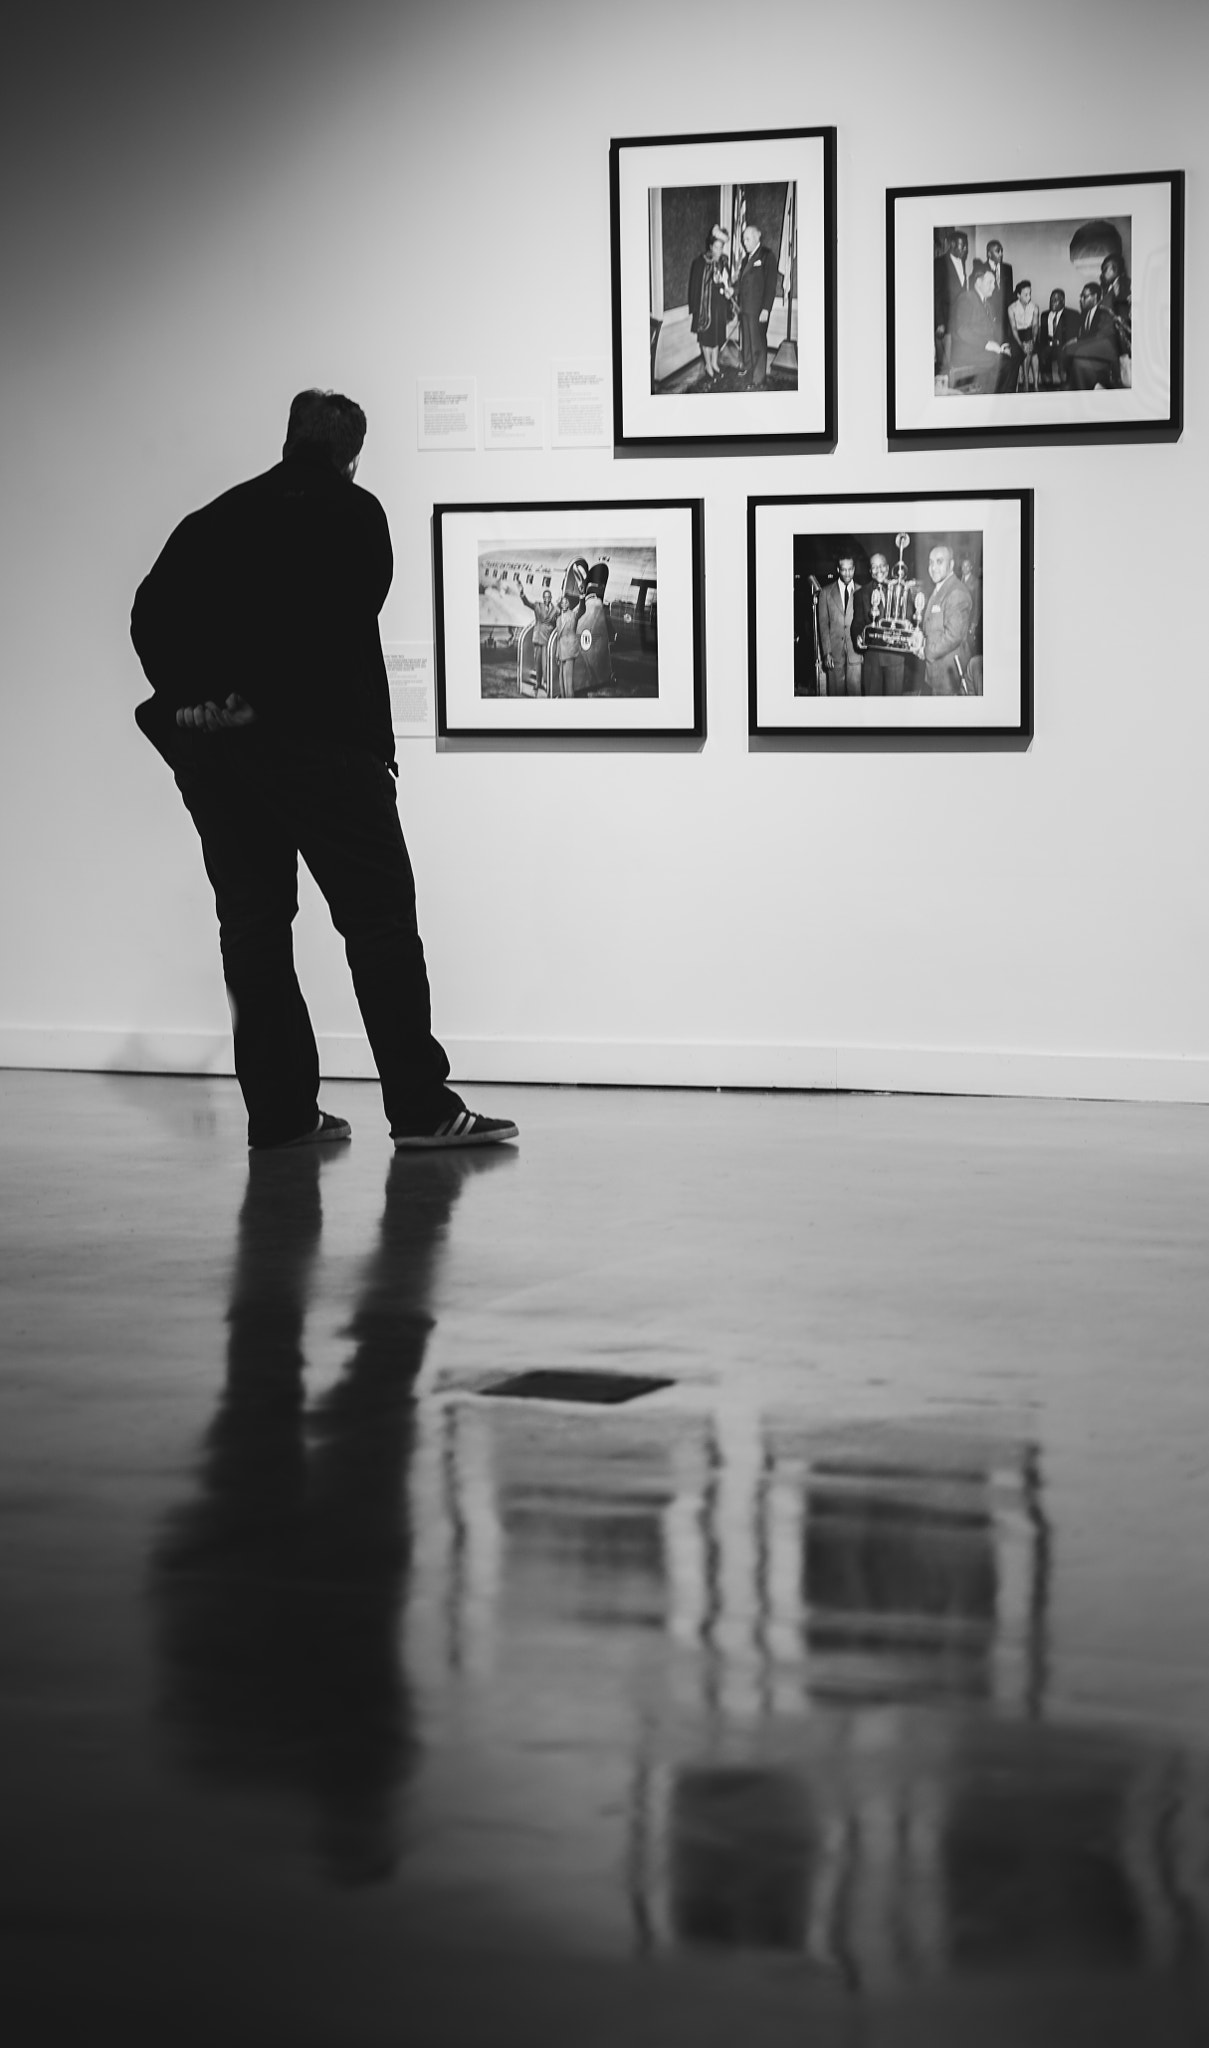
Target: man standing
<point>1058,327</point>
<point>755,290</point>
<point>949,280</point>
<point>882,673</point>
<point>1093,357</point>
<point>943,639</point>
<point>998,300</point>
<point>258,631</point>
<point>570,674</point>
<point>837,602</point>
<point>594,631</point>
<point>1116,298</point>
<point>542,608</point>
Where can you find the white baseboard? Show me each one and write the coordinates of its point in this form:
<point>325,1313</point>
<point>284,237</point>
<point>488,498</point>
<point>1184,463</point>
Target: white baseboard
<point>894,1069</point>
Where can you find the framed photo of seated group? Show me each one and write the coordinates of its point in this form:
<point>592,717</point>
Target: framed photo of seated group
<point>724,289</point>
<point>907,614</point>
<point>1035,311</point>
<point>556,620</point>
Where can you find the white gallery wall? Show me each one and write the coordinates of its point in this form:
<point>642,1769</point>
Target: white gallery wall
<point>209,207</point>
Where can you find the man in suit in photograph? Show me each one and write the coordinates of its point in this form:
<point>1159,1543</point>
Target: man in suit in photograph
<point>1003,291</point>
<point>545,621</point>
<point>979,351</point>
<point>882,674</point>
<point>949,280</point>
<point>1093,357</point>
<point>837,609</point>
<point>943,639</point>
<point>1116,297</point>
<point>1058,327</point>
<point>755,290</point>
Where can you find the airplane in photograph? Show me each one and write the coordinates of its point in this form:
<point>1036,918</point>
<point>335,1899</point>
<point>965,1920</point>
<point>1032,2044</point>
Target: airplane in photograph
<point>629,593</point>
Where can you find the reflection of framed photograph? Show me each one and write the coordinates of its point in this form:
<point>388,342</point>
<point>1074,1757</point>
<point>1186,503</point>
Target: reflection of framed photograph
<point>549,617</point>
<point>907,615</point>
<point>1021,311</point>
<point>724,288</point>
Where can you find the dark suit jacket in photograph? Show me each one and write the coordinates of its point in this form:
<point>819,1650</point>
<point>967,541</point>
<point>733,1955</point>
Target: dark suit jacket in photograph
<point>882,665</point>
<point>947,617</point>
<point>756,286</point>
<point>999,301</point>
<point>862,609</point>
<point>835,638</point>
<point>947,288</point>
<point>1093,357</point>
<point>973,364</point>
<point>1066,329</point>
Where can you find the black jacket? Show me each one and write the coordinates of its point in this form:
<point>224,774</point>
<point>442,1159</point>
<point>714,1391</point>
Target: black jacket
<point>274,590</point>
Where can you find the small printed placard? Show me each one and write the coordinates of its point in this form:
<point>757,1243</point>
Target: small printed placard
<point>445,413</point>
<point>514,423</point>
<point>409,675</point>
<point>581,403</point>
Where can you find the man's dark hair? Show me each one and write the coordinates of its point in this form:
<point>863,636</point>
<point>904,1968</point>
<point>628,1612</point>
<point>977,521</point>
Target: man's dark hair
<point>978,269</point>
<point>327,420</point>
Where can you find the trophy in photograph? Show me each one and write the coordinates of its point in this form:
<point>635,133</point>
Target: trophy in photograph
<point>896,608</point>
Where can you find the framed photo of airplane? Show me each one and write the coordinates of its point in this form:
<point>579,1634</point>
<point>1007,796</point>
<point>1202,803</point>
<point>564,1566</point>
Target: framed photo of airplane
<point>724,293</point>
<point>562,619</point>
<point>1033,312</point>
<point>907,614</point>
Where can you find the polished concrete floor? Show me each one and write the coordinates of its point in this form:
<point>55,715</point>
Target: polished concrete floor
<point>731,1570</point>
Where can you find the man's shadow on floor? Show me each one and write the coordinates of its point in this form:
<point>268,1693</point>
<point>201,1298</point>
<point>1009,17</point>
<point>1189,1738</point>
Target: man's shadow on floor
<point>279,1588</point>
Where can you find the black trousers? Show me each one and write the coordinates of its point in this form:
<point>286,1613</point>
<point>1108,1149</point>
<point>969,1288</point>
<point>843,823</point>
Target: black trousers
<point>755,347</point>
<point>256,810</point>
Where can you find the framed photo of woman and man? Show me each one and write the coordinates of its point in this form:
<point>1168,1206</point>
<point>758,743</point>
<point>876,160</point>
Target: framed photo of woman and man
<point>723,259</point>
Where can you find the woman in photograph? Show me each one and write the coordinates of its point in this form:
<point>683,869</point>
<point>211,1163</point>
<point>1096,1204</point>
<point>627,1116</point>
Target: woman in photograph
<point>710,302</point>
<point>1024,317</point>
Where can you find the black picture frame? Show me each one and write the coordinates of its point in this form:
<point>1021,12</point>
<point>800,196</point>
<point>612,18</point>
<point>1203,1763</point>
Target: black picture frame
<point>499,677</point>
<point>799,684</point>
<point>665,193</point>
<point>1109,370</point>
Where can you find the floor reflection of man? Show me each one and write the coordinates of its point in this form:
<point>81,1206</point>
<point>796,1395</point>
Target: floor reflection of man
<point>277,1589</point>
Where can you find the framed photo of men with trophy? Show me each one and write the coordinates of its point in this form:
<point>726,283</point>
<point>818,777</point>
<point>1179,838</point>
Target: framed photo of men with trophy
<point>1035,312</point>
<point>723,263</point>
<point>891,615</point>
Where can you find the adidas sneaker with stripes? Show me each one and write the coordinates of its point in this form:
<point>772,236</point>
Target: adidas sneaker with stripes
<point>466,1127</point>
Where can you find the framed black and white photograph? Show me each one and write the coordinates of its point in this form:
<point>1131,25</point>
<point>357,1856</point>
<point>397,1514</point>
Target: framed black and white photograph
<point>1021,311</point>
<point>909,615</point>
<point>557,619</point>
<point>723,255</point>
